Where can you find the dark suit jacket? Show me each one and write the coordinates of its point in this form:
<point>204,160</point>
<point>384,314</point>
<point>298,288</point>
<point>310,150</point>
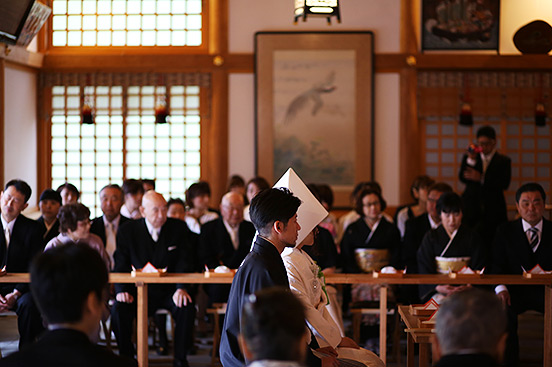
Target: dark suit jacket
<point>216,248</point>
<point>484,203</point>
<point>415,230</point>
<point>262,268</point>
<point>511,251</point>
<point>174,250</point>
<point>386,236</point>
<point>53,232</point>
<point>25,243</point>
<point>98,228</point>
<point>463,360</point>
<point>65,347</point>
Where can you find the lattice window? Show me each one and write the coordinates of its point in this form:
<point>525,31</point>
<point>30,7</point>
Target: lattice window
<point>124,141</point>
<point>127,23</point>
<point>505,101</point>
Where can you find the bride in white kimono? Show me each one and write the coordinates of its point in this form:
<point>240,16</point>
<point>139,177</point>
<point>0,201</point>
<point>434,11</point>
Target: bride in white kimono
<point>307,282</point>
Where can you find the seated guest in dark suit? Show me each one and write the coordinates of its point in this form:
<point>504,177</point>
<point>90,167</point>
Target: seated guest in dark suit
<point>522,244</point>
<point>133,192</point>
<point>225,241</point>
<point>470,330</point>
<point>148,184</point>
<point>415,230</point>
<point>69,193</point>
<point>197,202</point>
<point>20,241</point>
<point>449,247</point>
<point>176,209</point>
<point>165,243</point>
<point>70,286</point>
<point>106,226</point>
<point>486,175</point>
<point>418,191</point>
<point>49,204</point>
<point>273,329</point>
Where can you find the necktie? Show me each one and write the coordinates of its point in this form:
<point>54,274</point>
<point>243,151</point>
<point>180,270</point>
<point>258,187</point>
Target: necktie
<point>111,241</point>
<point>234,238</point>
<point>155,235</point>
<point>8,236</point>
<point>533,238</point>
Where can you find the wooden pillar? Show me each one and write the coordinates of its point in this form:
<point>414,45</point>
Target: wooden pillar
<point>214,144</point>
<point>44,137</point>
<point>383,323</point>
<point>142,324</point>
<point>547,360</point>
<point>409,142</point>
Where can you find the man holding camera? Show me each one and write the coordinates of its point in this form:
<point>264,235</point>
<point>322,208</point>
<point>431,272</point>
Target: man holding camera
<point>486,174</point>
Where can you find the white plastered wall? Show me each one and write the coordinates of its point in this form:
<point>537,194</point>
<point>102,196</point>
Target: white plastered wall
<point>20,128</point>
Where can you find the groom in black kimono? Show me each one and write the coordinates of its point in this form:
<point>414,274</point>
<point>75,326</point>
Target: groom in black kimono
<point>274,214</point>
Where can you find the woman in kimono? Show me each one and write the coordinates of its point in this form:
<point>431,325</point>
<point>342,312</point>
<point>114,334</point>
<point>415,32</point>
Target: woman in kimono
<point>306,281</point>
<point>449,247</point>
<point>370,232</point>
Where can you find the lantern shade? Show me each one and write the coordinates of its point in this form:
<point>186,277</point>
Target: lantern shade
<point>320,8</point>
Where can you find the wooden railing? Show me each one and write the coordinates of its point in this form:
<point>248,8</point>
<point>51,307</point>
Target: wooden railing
<point>199,278</point>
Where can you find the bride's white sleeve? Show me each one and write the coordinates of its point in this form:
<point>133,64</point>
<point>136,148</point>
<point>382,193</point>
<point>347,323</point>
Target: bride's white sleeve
<point>318,318</point>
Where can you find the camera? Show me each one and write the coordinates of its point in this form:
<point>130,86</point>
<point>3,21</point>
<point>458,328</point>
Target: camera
<point>474,149</point>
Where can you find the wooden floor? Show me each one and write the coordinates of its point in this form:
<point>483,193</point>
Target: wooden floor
<point>531,333</point>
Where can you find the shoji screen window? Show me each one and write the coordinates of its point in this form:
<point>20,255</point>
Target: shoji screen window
<point>125,141</point>
<point>167,152</point>
<point>128,23</point>
<point>88,156</point>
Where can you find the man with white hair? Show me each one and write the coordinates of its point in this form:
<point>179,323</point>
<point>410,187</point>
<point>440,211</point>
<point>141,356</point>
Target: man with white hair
<point>225,241</point>
<point>165,243</point>
<point>470,330</point>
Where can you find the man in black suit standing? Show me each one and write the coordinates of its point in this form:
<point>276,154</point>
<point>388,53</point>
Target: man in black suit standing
<point>165,243</point>
<point>107,225</point>
<point>486,175</point>
<point>225,241</point>
<point>70,286</point>
<point>49,204</point>
<point>20,241</point>
<point>522,244</point>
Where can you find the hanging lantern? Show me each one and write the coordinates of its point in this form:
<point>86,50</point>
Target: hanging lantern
<point>540,111</point>
<point>87,109</point>
<point>540,114</point>
<point>161,110</point>
<point>317,8</point>
<point>466,116</point>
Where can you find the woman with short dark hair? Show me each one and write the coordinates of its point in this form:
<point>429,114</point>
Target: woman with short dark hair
<point>74,225</point>
<point>449,247</point>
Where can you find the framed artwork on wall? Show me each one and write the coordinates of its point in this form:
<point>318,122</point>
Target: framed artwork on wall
<point>314,107</point>
<point>460,24</point>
